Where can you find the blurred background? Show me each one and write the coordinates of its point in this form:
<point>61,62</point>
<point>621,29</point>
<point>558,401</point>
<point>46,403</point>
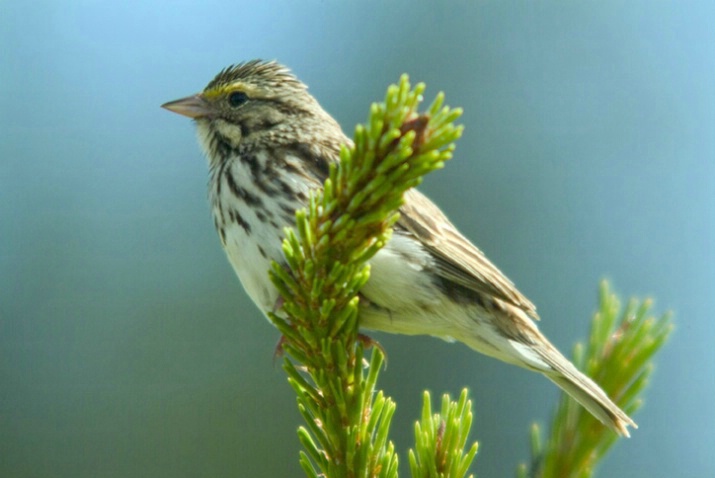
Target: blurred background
<point>127,346</point>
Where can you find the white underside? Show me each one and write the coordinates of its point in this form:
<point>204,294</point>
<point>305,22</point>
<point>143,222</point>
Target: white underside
<point>400,296</point>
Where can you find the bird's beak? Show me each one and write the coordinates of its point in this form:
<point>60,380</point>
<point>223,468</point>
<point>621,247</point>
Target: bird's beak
<point>191,106</point>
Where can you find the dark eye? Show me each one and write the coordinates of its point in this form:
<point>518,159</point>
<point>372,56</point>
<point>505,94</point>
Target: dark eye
<point>237,98</point>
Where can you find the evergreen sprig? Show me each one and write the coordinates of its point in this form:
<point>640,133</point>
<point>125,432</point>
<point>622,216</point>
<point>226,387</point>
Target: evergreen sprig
<point>440,439</point>
<point>346,224</point>
<point>618,356</point>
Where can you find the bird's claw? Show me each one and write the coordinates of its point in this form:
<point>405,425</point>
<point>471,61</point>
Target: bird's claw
<point>368,342</point>
<point>278,351</point>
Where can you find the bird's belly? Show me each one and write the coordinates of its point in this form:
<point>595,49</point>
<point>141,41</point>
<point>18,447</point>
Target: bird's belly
<point>399,297</point>
<point>399,277</point>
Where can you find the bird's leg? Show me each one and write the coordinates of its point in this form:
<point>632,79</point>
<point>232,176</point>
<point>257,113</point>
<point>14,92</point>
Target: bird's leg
<point>368,342</point>
<point>279,304</point>
<point>278,351</point>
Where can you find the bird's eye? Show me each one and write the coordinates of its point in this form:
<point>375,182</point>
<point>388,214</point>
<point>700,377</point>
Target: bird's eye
<point>237,98</point>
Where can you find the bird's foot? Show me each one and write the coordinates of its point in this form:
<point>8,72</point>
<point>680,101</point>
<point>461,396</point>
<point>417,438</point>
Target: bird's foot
<point>278,351</point>
<point>368,342</point>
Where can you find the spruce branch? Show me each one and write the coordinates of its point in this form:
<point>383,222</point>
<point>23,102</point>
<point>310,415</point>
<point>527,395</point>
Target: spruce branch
<point>346,224</point>
<point>440,439</point>
<point>618,356</point>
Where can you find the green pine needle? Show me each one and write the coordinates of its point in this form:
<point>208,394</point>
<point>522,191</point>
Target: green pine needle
<point>441,438</point>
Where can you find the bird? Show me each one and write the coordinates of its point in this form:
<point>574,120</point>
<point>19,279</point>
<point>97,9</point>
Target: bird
<point>269,143</point>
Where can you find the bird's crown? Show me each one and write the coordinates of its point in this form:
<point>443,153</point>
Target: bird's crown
<point>252,75</point>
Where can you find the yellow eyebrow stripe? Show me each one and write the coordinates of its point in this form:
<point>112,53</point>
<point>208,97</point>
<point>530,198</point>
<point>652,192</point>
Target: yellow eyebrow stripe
<point>223,90</point>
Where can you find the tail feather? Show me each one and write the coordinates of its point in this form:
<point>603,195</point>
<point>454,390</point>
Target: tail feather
<point>537,353</point>
<point>586,392</point>
<point>515,339</point>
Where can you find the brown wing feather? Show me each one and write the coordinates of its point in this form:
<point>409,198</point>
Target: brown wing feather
<point>457,259</point>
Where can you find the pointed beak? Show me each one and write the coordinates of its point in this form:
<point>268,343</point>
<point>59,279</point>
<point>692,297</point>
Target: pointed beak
<point>191,106</point>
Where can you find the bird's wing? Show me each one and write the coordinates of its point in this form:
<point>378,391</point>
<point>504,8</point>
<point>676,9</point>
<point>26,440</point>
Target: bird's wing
<point>456,259</point>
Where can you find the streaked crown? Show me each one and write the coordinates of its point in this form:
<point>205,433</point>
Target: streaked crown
<point>254,73</point>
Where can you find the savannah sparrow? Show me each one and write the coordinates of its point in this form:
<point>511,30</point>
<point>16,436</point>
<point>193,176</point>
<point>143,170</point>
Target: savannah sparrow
<point>269,142</point>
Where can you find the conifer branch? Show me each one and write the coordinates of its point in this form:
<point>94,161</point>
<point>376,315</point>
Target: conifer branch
<point>346,224</point>
<point>618,356</point>
<point>441,439</point>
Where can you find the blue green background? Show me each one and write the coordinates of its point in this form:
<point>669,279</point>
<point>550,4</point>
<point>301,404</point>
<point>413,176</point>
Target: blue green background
<point>127,347</point>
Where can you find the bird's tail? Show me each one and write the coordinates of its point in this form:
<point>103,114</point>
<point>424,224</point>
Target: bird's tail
<point>515,339</point>
<point>586,392</point>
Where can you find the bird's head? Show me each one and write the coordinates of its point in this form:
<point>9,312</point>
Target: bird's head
<point>250,104</point>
